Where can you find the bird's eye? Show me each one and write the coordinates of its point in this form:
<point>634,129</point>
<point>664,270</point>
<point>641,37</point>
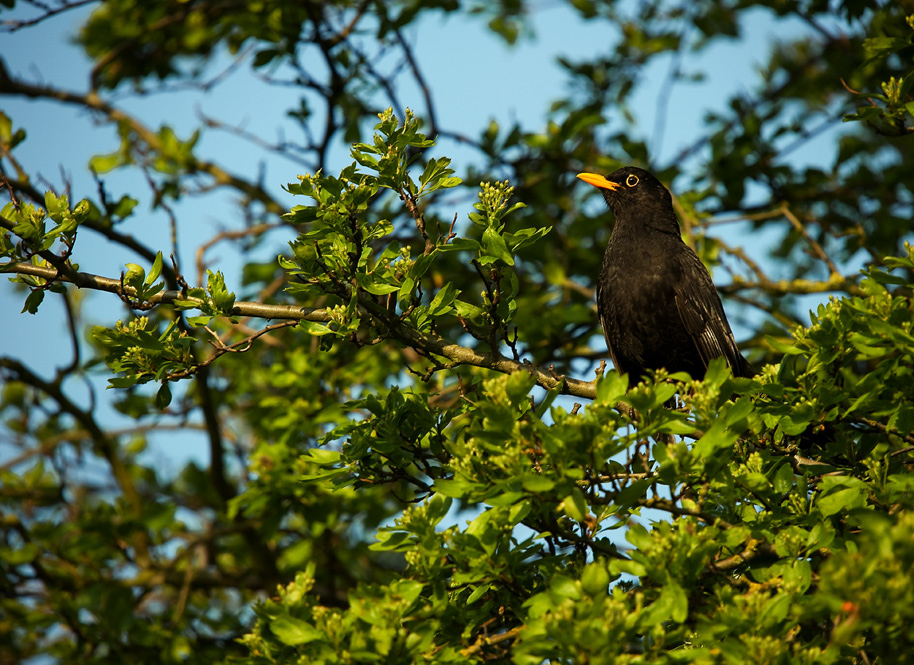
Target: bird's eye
<point>631,180</point>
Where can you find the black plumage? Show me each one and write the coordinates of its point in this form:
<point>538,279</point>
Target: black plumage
<point>657,303</point>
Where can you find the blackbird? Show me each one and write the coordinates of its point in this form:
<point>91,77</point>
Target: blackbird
<point>657,303</point>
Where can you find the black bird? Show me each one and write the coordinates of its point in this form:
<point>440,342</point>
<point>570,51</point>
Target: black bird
<point>657,303</point>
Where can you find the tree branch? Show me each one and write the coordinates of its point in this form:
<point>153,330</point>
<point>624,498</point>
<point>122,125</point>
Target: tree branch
<point>49,12</point>
<point>429,343</point>
<point>104,444</point>
<point>85,280</point>
<point>93,101</point>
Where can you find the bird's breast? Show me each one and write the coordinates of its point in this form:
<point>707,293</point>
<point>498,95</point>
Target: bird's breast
<point>636,300</point>
<point>641,271</point>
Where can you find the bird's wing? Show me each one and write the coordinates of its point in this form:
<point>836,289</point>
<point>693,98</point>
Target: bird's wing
<point>703,317</point>
<point>604,323</point>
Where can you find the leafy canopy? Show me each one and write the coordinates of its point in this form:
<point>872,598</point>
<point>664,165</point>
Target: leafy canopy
<point>406,457</point>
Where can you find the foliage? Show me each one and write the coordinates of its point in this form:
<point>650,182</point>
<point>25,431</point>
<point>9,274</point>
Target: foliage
<point>397,469</point>
<point>752,522</point>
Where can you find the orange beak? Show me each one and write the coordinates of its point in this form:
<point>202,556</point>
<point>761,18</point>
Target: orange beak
<point>598,181</point>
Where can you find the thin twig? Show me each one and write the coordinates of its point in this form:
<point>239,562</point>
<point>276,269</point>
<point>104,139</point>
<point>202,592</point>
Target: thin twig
<point>816,248</point>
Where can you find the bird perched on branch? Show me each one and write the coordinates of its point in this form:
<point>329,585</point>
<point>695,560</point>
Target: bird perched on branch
<point>657,303</point>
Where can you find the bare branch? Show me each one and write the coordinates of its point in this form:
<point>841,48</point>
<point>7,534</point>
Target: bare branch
<point>836,282</point>
<point>814,246</point>
<point>94,102</point>
<point>49,12</point>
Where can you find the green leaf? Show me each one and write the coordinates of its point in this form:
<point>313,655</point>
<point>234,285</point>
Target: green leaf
<point>122,382</point>
<point>537,483</point>
<point>468,311</point>
<point>672,604</point>
<point>739,410</point>
<point>163,396</point>
<point>198,321</point>
<point>292,631</point>
<point>33,301</point>
<point>478,593</point>
<point>156,270</point>
<point>135,275</point>
<point>323,456</point>
<point>438,507</point>
<point>102,164</point>
<point>783,347</point>
<point>575,506</point>
<point>563,587</point>
<point>461,244</point>
<point>6,128</point>
<point>595,579</point>
<point>842,499</point>
<point>776,609</point>
<point>797,420</point>
<point>392,541</point>
<point>443,300</point>
<point>679,601</point>
<point>493,245</point>
<point>19,557</point>
<point>611,387</point>
<point>223,299</point>
<point>783,479</point>
<point>377,288</point>
<point>456,488</point>
<point>716,438</point>
<point>884,46</point>
<point>315,328</point>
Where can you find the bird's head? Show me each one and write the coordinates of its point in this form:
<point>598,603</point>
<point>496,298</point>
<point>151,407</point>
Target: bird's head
<point>633,192</point>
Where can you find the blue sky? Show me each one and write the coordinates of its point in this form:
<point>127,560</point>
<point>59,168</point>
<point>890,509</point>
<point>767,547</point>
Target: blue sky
<point>474,76</point>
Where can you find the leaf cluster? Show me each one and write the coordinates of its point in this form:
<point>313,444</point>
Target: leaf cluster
<point>595,535</point>
<point>392,469</point>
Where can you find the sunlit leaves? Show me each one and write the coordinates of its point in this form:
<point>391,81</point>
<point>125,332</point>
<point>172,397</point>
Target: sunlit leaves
<point>43,237</point>
<point>9,139</point>
<point>895,108</point>
<point>749,513</point>
<point>339,254</point>
<point>144,286</point>
<point>391,505</point>
<point>140,353</point>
